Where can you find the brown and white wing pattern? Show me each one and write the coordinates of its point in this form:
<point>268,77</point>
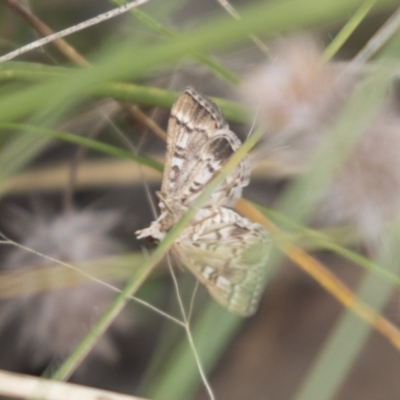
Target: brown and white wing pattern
<point>225,251</point>
<point>199,143</point>
<point>228,254</point>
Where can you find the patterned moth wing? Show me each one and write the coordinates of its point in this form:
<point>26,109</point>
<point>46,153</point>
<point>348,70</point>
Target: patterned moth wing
<point>225,251</point>
<point>199,143</point>
<point>228,254</point>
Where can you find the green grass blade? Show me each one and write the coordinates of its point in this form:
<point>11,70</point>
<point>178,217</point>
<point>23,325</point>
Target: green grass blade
<point>87,344</point>
<point>57,95</point>
<point>85,142</point>
<point>347,30</point>
<point>345,342</point>
<point>167,32</point>
<point>326,243</point>
<point>83,349</point>
<point>145,95</point>
<point>350,334</point>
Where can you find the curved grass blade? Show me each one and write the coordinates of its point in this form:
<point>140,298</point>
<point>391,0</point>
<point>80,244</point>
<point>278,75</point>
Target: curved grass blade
<point>86,142</point>
<point>167,32</point>
<point>322,275</point>
<point>56,96</point>
<point>145,95</point>
<point>140,276</point>
<point>347,30</point>
<point>326,243</point>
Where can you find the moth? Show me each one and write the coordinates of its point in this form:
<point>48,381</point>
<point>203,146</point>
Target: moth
<point>225,251</point>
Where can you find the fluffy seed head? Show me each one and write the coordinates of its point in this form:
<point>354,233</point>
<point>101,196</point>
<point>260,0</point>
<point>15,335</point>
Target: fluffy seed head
<point>298,100</point>
<point>48,325</point>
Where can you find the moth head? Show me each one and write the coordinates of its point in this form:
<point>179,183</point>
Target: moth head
<point>153,233</point>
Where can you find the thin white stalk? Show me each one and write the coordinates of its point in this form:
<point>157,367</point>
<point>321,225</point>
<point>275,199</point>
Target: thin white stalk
<point>196,287</point>
<point>389,28</point>
<point>66,32</point>
<point>189,334</point>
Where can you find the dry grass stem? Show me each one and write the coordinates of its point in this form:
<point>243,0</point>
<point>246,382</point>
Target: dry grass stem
<point>321,275</point>
<point>69,31</point>
<point>20,386</point>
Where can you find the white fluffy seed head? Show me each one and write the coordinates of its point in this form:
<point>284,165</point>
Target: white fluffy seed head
<point>298,100</point>
<point>48,325</point>
<point>365,191</point>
